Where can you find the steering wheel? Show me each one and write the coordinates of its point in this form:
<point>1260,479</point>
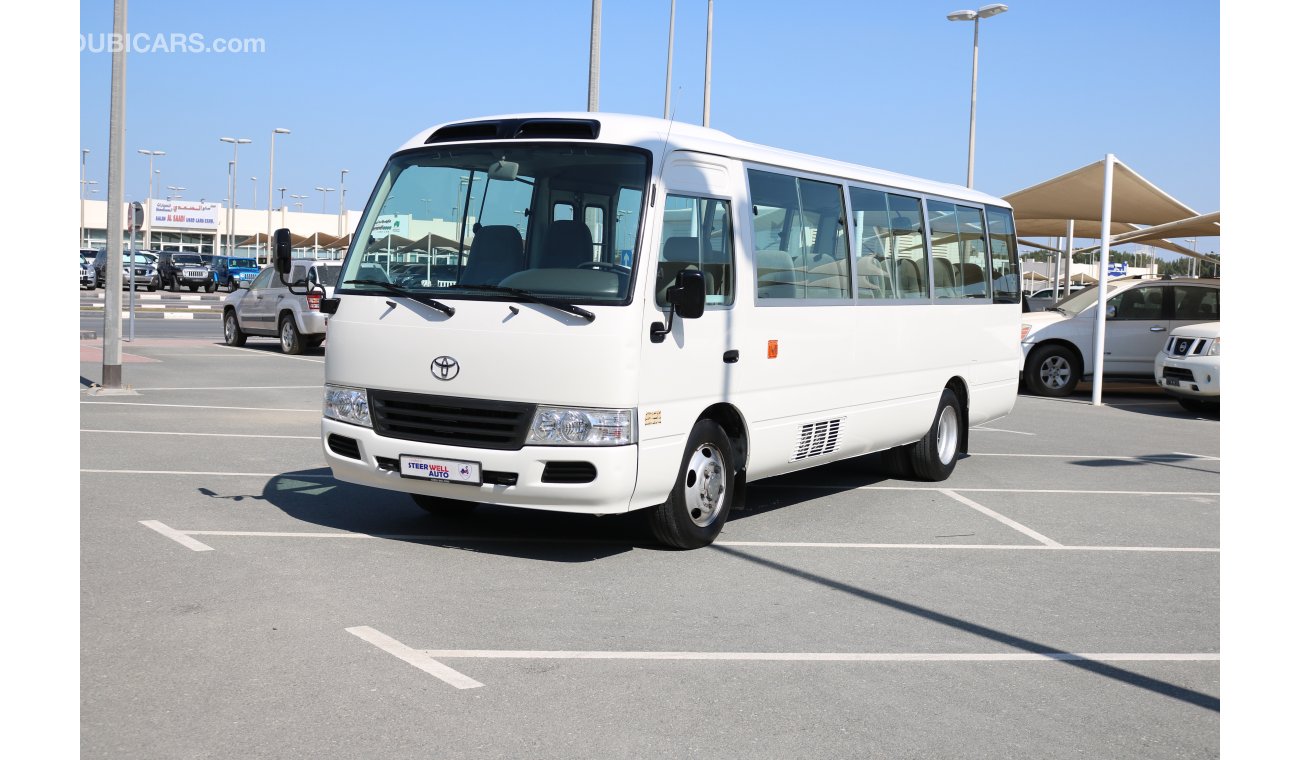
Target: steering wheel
<point>605,266</point>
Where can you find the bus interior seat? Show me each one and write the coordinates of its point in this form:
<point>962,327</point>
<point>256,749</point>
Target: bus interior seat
<point>776,276</point>
<point>910,282</point>
<point>568,243</point>
<point>943,278</point>
<point>497,251</point>
<point>973,274</point>
<point>680,253</point>
<point>873,277</point>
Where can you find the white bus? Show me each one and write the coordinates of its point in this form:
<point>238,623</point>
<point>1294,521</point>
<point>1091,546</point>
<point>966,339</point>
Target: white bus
<point>650,314</point>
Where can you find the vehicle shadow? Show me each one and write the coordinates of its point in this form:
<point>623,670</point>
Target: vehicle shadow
<point>315,497</point>
<point>1136,397</point>
<point>262,343</point>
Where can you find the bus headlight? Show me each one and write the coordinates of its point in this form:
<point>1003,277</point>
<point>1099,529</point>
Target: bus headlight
<point>567,426</point>
<point>350,405</point>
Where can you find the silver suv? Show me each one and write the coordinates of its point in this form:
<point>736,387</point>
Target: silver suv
<point>1140,313</point>
<point>267,307</point>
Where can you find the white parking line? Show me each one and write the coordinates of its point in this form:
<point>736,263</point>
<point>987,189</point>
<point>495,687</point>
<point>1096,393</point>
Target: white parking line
<point>453,539</point>
<point>315,410</point>
<point>764,484</point>
<point>238,387</point>
<point>999,430</point>
<point>212,435</point>
<point>280,354</point>
<point>178,536</point>
<point>1007,521</point>
<point>414,657</point>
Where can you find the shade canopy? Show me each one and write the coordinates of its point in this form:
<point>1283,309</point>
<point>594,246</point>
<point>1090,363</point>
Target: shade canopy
<point>431,241</point>
<point>1205,225</point>
<point>1077,195</point>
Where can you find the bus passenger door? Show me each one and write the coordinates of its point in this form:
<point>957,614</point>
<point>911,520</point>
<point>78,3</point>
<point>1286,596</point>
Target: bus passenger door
<point>694,365</point>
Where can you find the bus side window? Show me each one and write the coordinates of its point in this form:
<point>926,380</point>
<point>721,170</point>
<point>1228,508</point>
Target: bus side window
<point>1002,247</point>
<point>697,235</point>
<point>799,236</point>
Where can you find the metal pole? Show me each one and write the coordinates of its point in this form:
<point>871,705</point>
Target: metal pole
<point>343,192</point>
<point>668,78</point>
<point>1099,351</point>
<point>81,233</point>
<point>974,77</point>
<point>708,64</point>
<point>130,309</point>
<point>593,73</point>
<point>234,198</point>
<point>111,375</point>
<point>1069,252</point>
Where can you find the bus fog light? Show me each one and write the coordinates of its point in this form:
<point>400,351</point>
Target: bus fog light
<point>351,405</point>
<point>565,426</point>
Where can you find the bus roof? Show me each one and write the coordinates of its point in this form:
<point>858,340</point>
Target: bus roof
<point>661,136</point>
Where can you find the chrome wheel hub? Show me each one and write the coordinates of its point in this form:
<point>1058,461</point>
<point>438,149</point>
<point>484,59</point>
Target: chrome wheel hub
<point>946,443</point>
<point>706,485</point>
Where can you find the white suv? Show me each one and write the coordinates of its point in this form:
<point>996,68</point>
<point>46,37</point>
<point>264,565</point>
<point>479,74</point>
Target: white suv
<point>1140,313</point>
<point>267,307</point>
<point>1188,366</point>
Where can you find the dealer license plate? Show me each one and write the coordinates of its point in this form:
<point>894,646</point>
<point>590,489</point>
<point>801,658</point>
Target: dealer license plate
<point>1172,382</point>
<point>446,470</point>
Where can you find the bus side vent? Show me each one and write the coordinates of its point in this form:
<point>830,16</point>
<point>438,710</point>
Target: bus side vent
<point>817,438</point>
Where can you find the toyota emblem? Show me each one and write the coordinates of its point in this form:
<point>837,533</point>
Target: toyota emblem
<point>445,368</point>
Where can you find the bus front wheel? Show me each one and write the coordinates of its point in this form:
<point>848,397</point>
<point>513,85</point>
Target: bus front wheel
<point>701,498</point>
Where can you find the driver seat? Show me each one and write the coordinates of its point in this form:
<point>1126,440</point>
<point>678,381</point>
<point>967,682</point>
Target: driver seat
<point>568,244</point>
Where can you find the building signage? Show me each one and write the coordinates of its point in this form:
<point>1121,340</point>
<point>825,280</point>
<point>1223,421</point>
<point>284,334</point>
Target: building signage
<point>1117,269</point>
<point>391,224</point>
<point>184,215</point>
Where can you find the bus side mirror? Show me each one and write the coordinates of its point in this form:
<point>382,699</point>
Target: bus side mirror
<point>687,296</point>
<point>283,248</point>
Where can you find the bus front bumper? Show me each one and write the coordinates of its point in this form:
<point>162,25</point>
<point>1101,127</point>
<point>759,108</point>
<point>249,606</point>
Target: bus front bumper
<point>374,462</point>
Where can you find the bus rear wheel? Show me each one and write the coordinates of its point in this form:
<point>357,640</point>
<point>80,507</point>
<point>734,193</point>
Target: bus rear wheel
<point>935,455</point>
<point>701,498</point>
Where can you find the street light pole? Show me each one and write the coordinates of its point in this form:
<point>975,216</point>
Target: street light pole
<point>234,190</point>
<point>324,191</point>
<point>708,64</point>
<point>593,69</point>
<point>668,77</point>
<point>81,233</point>
<point>343,194</point>
<point>976,15</point>
<point>148,201</point>
<point>270,185</point>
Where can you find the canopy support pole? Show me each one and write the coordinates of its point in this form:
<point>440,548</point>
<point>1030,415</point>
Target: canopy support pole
<point>1069,252</point>
<point>1099,351</point>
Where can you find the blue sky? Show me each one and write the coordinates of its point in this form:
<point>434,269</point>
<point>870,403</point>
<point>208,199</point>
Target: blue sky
<point>881,84</point>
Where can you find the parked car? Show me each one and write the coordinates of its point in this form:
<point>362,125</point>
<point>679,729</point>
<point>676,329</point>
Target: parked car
<point>1188,366</point>
<point>1140,313</point>
<point>232,272</point>
<point>1039,300</point>
<point>267,307</point>
<point>178,269</point>
<point>144,264</point>
<point>88,268</point>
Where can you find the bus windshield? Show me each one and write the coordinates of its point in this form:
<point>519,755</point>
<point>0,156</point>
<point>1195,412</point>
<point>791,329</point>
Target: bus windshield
<point>555,220</point>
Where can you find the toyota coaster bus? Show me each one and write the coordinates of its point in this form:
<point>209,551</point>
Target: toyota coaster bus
<point>637,314</point>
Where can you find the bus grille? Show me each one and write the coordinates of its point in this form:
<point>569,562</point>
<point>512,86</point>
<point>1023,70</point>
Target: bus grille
<point>817,438</point>
<point>471,422</point>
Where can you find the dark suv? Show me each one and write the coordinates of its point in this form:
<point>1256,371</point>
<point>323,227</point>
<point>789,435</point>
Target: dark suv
<point>180,268</point>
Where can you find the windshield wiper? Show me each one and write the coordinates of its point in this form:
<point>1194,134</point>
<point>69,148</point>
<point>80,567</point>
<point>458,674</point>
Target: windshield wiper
<point>524,295</point>
<point>398,290</point>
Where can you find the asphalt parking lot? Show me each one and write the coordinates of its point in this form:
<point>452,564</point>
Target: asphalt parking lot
<point>1057,597</point>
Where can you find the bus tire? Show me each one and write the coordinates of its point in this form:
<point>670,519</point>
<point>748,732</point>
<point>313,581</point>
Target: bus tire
<point>701,498</point>
<point>935,455</point>
<point>1052,370</point>
<point>440,507</point>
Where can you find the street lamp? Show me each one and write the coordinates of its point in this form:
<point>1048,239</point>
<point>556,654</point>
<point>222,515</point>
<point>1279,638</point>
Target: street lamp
<point>176,189</point>
<point>270,184</point>
<point>984,12</point>
<point>299,199</point>
<point>253,180</point>
<point>324,193</point>
<point>148,226</point>
<point>234,191</point>
<point>343,194</point>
